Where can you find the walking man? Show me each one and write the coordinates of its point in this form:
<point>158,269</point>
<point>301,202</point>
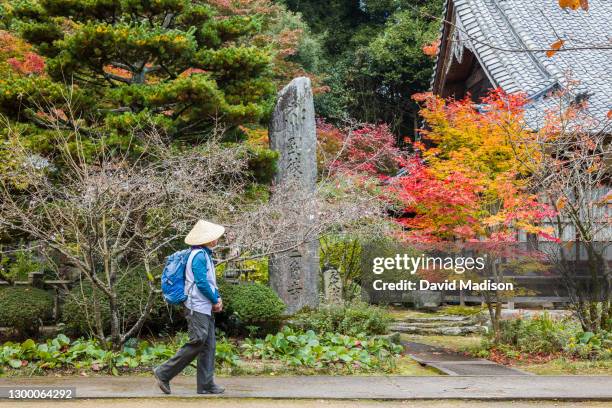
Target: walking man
<point>202,301</point>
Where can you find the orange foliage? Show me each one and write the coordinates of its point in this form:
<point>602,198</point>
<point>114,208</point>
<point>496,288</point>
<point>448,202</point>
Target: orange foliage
<point>283,43</point>
<point>190,71</point>
<point>574,4</point>
<point>554,47</point>
<point>120,72</point>
<point>431,49</point>
<point>467,182</point>
<point>11,46</point>
<point>256,136</point>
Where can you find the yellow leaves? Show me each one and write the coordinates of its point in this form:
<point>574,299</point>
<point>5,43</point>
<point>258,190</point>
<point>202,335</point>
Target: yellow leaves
<point>554,47</point>
<point>161,38</point>
<point>256,136</point>
<point>593,168</point>
<point>494,220</point>
<point>609,115</point>
<point>560,204</point>
<point>534,229</point>
<point>574,4</point>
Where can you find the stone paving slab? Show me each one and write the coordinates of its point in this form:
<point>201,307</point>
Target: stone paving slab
<point>454,363</point>
<point>343,387</point>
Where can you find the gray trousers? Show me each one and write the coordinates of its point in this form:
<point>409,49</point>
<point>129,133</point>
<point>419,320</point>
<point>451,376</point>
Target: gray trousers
<point>201,345</point>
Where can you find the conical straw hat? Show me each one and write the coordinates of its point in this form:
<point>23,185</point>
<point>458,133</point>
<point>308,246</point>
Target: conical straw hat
<point>204,232</point>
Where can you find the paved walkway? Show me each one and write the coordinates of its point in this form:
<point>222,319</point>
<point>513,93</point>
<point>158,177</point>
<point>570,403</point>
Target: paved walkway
<point>296,403</point>
<point>330,387</point>
<point>453,363</point>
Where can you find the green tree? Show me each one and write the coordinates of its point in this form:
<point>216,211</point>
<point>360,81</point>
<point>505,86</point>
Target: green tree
<point>180,65</point>
<point>374,56</point>
<point>391,68</point>
<point>337,20</point>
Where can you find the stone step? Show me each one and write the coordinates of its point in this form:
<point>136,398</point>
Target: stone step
<point>441,318</point>
<point>436,323</point>
<point>439,330</point>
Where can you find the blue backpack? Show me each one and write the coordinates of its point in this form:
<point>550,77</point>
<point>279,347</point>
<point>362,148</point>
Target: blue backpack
<point>173,277</point>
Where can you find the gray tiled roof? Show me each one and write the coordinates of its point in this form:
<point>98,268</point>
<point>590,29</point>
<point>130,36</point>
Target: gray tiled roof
<point>496,29</point>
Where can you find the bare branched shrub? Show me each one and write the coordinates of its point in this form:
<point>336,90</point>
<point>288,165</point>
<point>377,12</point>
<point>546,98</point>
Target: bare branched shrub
<point>569,168</point>
<point>279,225</point>
<point>109,212</point>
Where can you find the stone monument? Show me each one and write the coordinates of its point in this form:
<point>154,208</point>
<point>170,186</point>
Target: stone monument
<point>295,275</point>
<point>332,286</point>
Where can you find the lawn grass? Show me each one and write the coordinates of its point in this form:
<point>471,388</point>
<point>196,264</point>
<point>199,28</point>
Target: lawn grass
<point>407,366</point>
<point>558,366</point>
<point>454,343</point>
<point>563,366</point>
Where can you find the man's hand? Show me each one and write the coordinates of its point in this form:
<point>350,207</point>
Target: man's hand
<point>218,307</point>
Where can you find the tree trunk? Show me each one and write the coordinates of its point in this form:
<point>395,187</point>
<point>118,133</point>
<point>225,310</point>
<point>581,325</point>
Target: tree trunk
<point>494,313</point>
<point>114,316</point>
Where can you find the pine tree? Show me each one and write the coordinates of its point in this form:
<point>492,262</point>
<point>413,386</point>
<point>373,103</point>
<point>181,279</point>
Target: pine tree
<point>180,65</point>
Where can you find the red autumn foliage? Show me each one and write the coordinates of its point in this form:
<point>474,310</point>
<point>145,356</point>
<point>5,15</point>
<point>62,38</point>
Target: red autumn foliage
<point>500,357</point>
<point>19,56</point>
<point>31,63</point>
<point>369,149</point>
<point>440,206</point>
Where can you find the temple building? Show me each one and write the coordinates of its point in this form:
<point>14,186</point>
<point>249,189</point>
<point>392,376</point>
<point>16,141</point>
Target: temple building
<point>487,44</point>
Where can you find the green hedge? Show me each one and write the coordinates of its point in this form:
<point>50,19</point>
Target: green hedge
<point>253,304</point>
<point>24,308</point>
<point>262,163</point>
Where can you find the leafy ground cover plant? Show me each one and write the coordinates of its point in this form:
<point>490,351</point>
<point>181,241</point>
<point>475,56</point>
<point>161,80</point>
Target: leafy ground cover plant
<point>287,350</point>
<point>591,345</point>
<point>299,348</point>
<point>543,338</point>
<point>64,354</point>
<point>352,319</point>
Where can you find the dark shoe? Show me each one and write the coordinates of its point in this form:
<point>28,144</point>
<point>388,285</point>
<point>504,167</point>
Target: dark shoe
<point>215,389</point>
<point>163,385</point>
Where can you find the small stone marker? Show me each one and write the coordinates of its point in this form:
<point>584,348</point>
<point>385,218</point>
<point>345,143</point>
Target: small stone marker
<point>332,286</point>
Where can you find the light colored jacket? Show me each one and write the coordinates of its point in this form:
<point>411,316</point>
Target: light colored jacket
<point>200,281</point>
